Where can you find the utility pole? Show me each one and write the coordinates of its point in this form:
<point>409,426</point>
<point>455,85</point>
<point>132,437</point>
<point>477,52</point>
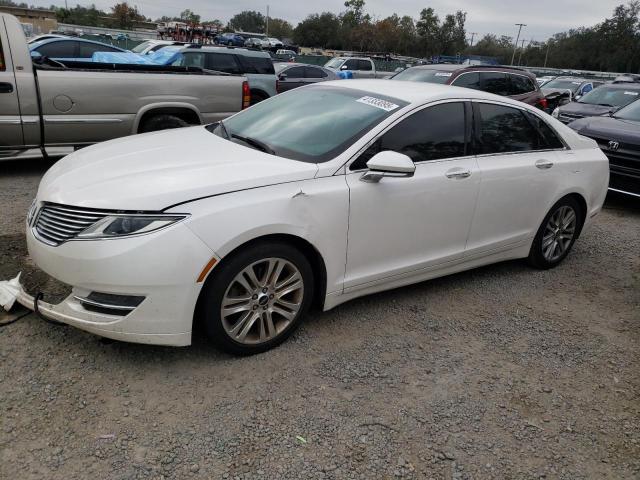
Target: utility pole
<point>473,34</point>
<point>515,45</point>
<point>267,29</point>
<point>521,50</point>
<point>546,57</point>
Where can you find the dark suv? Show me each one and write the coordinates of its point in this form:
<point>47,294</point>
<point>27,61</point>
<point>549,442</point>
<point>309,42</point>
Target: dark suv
<point>506,81</point>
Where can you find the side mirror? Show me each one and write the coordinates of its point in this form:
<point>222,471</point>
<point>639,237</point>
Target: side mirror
<point>343,67</point>
<point>282,76</point>
<point>35,55</point>
<point>388,164</point>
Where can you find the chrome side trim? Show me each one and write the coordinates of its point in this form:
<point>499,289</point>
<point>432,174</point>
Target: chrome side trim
<point>624,192</point>
<point>6,120</point>
<point>83,121</point>
<point>93,303</point>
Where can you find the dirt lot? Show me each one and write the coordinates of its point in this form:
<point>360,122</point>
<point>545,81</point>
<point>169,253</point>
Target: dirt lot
<point>502,372</point>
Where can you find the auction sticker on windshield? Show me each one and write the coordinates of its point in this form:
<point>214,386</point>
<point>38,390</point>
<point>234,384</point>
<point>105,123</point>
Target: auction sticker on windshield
<point>443,74</point>
<point>631,93</point>
<point>378,103</point>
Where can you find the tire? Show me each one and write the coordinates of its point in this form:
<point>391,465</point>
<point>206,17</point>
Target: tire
<point>162,122</point>
<point>551,244</point>
<point>244,328</point>
<point>257,98</point>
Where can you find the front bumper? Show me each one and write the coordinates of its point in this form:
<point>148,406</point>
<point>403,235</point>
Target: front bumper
<point>162,267</point>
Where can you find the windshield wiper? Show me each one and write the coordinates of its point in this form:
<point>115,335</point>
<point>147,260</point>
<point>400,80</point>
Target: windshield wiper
<point>254,143</point>
<point>604,104</point>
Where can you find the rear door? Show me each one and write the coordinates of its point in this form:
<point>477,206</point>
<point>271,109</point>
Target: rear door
<point>292,78</point>
<point>314,74</point>
<point>365,69</point>
<point>523,88</point>
<point>10,118</point>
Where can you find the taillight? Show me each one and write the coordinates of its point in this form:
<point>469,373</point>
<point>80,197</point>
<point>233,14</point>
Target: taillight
<point>543,103</point>
<point>246,95</point>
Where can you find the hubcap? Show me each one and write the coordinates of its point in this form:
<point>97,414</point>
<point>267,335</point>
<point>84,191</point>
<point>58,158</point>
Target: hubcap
<point>559,233</point>
<point>262,301</point>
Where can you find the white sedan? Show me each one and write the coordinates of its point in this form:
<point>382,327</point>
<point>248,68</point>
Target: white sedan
<point>319,195</point>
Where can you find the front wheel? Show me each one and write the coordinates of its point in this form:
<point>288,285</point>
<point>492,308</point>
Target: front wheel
<point>557,234</point>
<point>257,298</point>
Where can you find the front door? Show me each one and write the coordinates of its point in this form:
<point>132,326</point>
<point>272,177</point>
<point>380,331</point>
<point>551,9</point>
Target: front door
<point>402,225</point>
<point>10,118</point>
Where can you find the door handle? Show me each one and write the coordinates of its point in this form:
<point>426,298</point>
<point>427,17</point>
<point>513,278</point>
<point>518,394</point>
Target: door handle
<point>544,164</point>
<point>6,87</point>
<point>458,173</point>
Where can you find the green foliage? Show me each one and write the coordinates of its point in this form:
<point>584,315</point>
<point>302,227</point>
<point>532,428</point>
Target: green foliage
<point>280,28</point>
<point>248,21</point>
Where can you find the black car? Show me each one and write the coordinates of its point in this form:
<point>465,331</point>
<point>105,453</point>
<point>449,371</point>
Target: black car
<point>603,100</point>
<point>293,75</point>
<point>618,136</point>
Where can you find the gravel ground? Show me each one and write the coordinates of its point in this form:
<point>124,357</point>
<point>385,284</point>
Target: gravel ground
<point>502,372</point>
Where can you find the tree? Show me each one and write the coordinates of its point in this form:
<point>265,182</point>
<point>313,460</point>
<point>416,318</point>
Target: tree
<point>428,28</point>
<point>280,28</point>
<point>188,16</point>
<point>248,21</point>
<point>318,30</point>
<point>125,15</point>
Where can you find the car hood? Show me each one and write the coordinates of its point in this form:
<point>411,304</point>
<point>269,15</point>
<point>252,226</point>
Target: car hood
<point>585,109</point>
<point>609,128</point>
<point>156,170</point>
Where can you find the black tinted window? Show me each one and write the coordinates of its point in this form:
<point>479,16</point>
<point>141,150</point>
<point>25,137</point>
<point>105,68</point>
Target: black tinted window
<point>192,60</point>
<point>261,65</point>
<point>222,62</point>
<point>314,72</point>
<point>468,80</point>
<point>295,72</point>
<point>431,134</point>
<point>88,49</point>
<point>520,85</point>
<point>58,50</point>
<point>549,136</point>
<point>495,82</point>
<point>352,64</point>
<point>364,65</point>
<point>505,129</point>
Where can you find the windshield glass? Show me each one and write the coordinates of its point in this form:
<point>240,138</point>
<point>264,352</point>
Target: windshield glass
<point>334,63</point>
<point>281,66</point>
<point>564,84</point>
<point>140,47</point>
<point>313,124</point>
<point>423,75</point>
<point>610,96</point>
<point>630,112</point>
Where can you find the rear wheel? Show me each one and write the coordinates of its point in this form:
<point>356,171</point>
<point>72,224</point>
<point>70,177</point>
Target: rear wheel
<point>162,122</point>
<point>257,298</point>
<point>257,97</point>
<point>557,234</point>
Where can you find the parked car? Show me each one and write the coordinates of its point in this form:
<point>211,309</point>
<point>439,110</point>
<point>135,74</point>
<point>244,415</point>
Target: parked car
<point>618,136</point>
<point>254,42</point>
<point>293,75</point>
<point>543,80</point>
<point>69,48</point>
<point>230,39</point>
<point>360,67</point>
<point>272,43</point>
<point>603,100</point>
<point>150,46</point>
<point>504,81</point>
<point>324,194</point>
<point>46,36</point>
<point>576,87</point>
<point>256,66</point>
<point>285,52</point>
<point>50,106</point>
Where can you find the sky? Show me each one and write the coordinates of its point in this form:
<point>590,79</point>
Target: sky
<point>543,17</point>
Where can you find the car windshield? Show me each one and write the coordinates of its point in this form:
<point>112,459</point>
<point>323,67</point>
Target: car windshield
<point>423,75</point>
<point>610,96</point>
<point>139,48</point>
<point>334,63</point>
<point>312,124</point>
<point>564,84</point>
<point>630,112</point>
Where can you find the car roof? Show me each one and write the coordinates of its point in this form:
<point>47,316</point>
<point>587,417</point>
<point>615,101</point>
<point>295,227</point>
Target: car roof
<point>622,86</point>
<point>222,49</point>
<point>454,67</point>
<point>419,92</point>
<point>71,39</point>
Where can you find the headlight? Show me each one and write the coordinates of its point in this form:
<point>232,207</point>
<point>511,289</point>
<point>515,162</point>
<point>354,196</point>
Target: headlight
<point>113,226</point>
<point>556,112</point>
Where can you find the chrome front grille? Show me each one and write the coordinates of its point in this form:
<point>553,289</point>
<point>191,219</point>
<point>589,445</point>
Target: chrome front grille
<point>56,224</point>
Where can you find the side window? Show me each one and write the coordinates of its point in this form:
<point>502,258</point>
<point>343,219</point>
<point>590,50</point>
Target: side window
<point>221,62</point>
<point>505,129</point>
<point>586,89</point>
<point>88,49</point>
<point>468,80</point>
<point>550,138</point>
<point>261,65</point>
<point>352,64</point>
<point>295,72</point>
<point>495,82</point>
<point>433,133</point>
<point>3,66</point>
<point>58,50</point>
<point>193,60</point>
<point>365,65</point>
<point>520,85</point>
<point>314,72</point>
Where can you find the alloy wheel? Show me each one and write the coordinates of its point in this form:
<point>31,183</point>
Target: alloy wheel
<point>262,301</point>
<point>559,233</point>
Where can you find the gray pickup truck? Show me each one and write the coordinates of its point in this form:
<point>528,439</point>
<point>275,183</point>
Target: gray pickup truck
<point>51,107</point>
<point>360,67</point>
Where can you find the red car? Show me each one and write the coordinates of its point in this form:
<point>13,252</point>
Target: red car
<point>509,82</point>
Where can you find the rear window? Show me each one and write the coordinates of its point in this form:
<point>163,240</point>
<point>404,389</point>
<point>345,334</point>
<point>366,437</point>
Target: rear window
<point>495,82</point>
<point>3,66</point>
<point>260,65</point>
<point>521,85</point>
<point>423,75</point>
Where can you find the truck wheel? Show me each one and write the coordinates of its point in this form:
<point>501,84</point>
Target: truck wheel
<point>162,122</point>
<point>257,98</point>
